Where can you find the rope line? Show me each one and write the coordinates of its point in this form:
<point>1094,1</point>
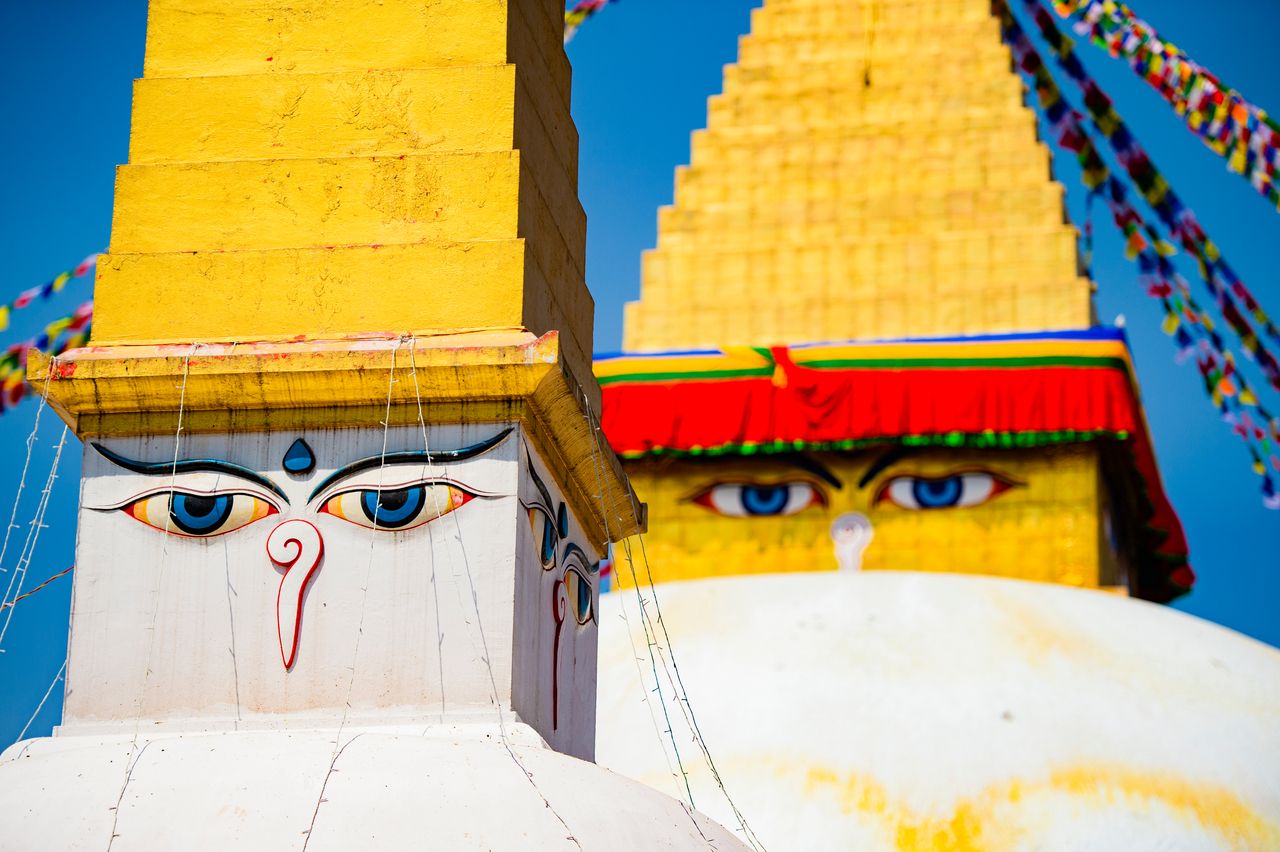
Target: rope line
<point>493,681</point>
<point>47,693</point>
<point>431,539</point>
<point>28,594</point>
<point>681,693</point>
<point>130,761</point>
<point>598,463</point>
<point>338,746</point>
<point>33,536</point>
<point>22,481</point>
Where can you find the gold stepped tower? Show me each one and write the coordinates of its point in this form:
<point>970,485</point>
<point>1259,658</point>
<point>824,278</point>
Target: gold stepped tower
<point>870,171</point>
<point>318,170</point>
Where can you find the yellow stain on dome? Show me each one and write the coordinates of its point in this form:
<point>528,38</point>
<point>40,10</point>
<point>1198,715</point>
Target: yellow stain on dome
<point>1008,813</point>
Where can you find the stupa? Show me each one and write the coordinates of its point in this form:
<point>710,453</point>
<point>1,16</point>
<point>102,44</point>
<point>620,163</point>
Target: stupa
<point>866,318</point>
<point>864,341</point>
<point>344,499</point>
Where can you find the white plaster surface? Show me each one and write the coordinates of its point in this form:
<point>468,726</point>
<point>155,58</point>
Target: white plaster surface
<point>918,711</point>
<point>437,618</point>
<point>439,788</point>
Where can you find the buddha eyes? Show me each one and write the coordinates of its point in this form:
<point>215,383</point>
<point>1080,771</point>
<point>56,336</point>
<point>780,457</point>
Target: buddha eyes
<point>397,508</point>
<point>749,499</point>
<point>942,492</point>
<point>198,515</point>
<point>915,492</point>
<point>577,591</point>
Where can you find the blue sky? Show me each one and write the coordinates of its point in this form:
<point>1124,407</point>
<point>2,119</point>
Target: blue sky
<point>642,72</point>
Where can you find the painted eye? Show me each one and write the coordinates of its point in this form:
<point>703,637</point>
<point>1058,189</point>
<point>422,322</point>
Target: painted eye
<point>198,515</point>
<point>943,492</point>
<point>544,531</point>
<point>397,508</point>
<point>577,590</point>
<point>746,499</point>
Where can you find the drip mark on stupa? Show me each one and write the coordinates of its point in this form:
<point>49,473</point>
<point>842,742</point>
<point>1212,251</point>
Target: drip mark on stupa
<point>299,459</point>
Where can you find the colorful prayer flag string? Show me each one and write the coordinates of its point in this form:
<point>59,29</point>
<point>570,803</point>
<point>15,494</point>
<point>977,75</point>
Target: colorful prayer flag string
<point>1179,219</point>
<point>577,16</point>
<point>65,333</point>
<point>1190,327</point>
<point>1227,123</point>
<point>47,289</point>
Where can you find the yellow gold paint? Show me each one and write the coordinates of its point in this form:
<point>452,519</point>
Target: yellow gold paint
<point>1044,527</point>
<point>308,171</point>
<point>847,188</point>
<point>1004,815</point>
<point>140,390</point>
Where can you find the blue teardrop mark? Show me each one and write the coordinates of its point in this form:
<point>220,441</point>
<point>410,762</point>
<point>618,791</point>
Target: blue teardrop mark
<point>299,459</point>
<point>562,521</point>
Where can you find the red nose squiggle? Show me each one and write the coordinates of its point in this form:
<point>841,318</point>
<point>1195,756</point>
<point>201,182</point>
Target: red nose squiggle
<point>296,546</point>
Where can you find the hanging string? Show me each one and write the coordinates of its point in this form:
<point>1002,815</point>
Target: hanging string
<point>338,745</point>
<point>134,755</point>
<point>439,508</point>
<point>28,594</point>
<point>493,681</point>
<point>649,634</point>
<point>33,536</point>
<point>62,671</point>
<point>681,694</point>
<point>22,479</point>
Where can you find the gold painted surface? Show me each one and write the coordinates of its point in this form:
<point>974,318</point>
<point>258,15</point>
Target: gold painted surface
<point>1043,527</point>
<point>308,170</point>
<point>1008,815</point>
<point>848,187</point>
<point>138,390</point>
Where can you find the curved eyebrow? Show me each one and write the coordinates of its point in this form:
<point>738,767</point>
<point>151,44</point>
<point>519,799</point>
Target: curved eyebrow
<point>891,456</point>
<point>190,466</point>
<point>410,457</point>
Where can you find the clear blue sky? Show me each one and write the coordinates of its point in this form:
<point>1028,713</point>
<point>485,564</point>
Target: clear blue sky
<point>642,72</point>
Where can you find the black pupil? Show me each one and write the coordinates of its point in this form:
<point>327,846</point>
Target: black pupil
<point>393,500</point>
<point>199,507</point>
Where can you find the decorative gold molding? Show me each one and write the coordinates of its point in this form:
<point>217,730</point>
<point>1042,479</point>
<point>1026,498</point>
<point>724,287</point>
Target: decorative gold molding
<point>480,377</point>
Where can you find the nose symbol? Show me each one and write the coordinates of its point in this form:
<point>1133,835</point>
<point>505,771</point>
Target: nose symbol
<point>851,533</point>
<point>296,546</point>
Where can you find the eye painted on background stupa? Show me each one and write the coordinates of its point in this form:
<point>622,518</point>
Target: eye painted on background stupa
<point>760,500</point>
<point>198,515</point>
<point>956,490</point>
<point>299,459</point>
<point>402,507</point>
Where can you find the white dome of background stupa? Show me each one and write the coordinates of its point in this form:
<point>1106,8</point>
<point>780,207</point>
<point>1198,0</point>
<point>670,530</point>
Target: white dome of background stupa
<point>927,711</point>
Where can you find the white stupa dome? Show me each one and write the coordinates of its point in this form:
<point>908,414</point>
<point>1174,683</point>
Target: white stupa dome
<point>930,711</point>
<point>390,789</point>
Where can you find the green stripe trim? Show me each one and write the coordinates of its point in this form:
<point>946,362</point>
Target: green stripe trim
<point>969,440</point>
<point>1024,361</point>
<point>958,363</point>
<point>743,373</point>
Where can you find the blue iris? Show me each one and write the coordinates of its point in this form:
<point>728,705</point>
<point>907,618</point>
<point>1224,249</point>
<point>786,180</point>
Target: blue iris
<point>393,509</point>
<point>764,499</point>
<point>937,493</point>
<point>584,600</point>
<point>548,543</point>
<point>199,514</point>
